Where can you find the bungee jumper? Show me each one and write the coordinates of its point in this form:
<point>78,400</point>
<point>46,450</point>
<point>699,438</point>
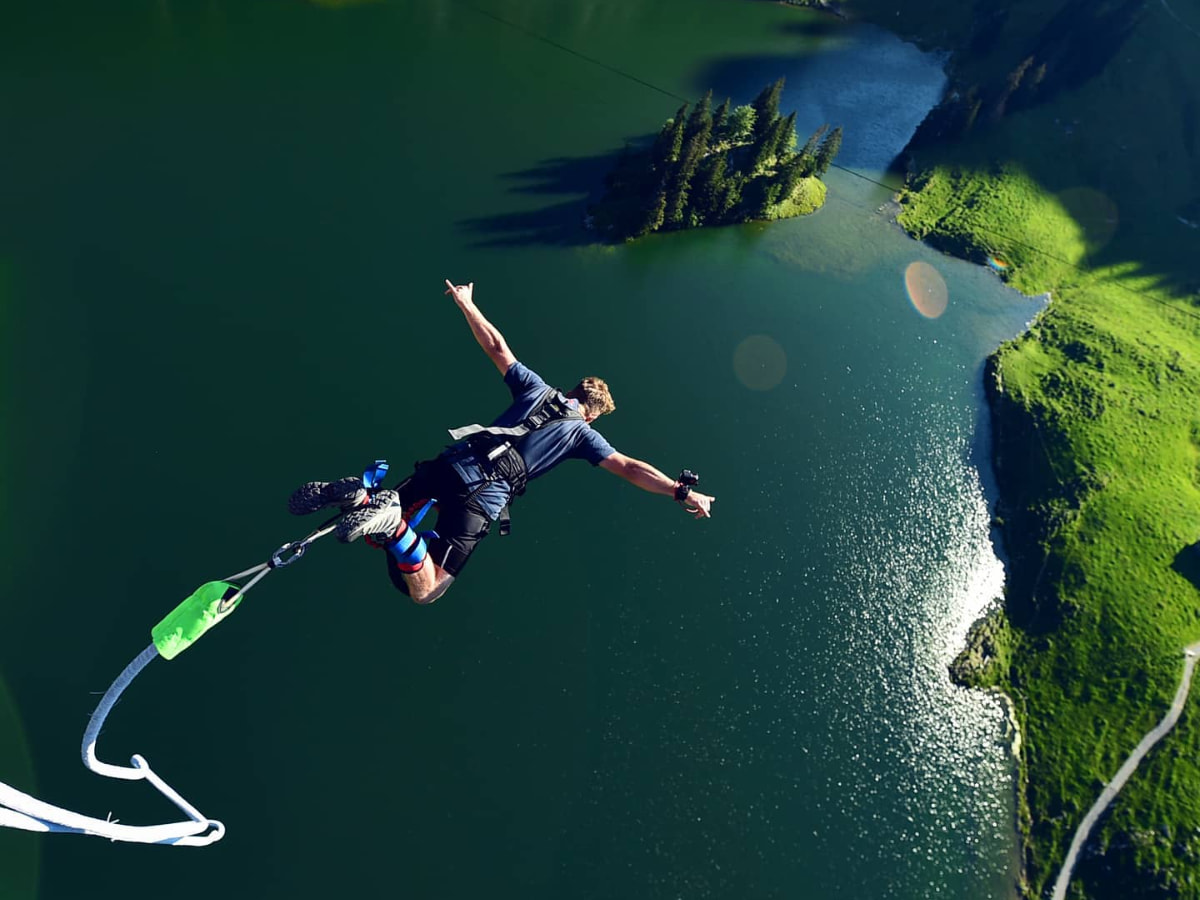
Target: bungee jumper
<point>471,484</point>
<point>474,480</point>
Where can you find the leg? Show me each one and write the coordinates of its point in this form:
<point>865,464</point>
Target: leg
<point>427,583</point>
<point>412,573</point>
<point>460,529</point>
<point>421,565</point>
<point>424,585</point>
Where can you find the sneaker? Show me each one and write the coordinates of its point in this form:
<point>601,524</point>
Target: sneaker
<point>345,492</point>
<point>380,519</point>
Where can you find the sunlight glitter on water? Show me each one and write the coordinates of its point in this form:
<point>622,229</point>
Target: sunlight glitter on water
<point>921,570</point>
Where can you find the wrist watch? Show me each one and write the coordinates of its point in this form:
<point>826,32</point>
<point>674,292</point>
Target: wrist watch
<point>683,484</point>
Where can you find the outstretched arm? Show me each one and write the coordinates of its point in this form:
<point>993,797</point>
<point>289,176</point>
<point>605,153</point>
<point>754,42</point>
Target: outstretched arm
<point>648,478</point>
<point>489,337</point>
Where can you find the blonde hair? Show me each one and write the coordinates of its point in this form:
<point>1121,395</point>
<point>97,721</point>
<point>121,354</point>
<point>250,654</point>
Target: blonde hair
<point>593,393</point>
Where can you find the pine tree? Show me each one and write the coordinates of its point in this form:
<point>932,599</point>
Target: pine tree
<point>729,198</point>
<point>677,135</point>
<point>653,218</point>
<point>809,151</point>
<point>790,176</point>
<point>771,193</point>
<point>787,137</point>
<point>701,118</point>
<point>766,107</point>
<point>707,186</point>
<point>677,189</point>
<point>762,154</point>
<point>720,119</point>
<point>662,144</point>
<point>828,150</point>
<point>669,141</point>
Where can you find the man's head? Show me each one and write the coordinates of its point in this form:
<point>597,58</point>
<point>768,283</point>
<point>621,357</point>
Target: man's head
<point>593,394</point>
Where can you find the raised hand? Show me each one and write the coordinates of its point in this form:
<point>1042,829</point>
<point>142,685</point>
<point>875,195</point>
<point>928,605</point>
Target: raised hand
<point>462,293</point>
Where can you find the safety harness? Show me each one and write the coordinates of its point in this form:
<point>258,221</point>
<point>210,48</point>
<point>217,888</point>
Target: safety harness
<point>493,446</point>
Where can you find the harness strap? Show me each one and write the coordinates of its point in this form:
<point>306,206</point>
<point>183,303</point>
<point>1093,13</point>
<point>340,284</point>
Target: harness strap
<point>548,409</point>
<point>499,458</point>
<point>467,431</point>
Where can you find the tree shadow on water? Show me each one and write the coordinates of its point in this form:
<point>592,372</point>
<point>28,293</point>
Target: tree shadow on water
<point>815,27</point>
<point>561,223</point>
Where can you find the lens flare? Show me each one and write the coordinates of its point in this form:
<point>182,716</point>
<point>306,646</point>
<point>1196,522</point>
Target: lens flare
<point>926,289</point>
<point>759,362</point>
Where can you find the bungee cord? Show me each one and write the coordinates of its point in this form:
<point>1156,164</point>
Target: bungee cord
<point>182,627</point>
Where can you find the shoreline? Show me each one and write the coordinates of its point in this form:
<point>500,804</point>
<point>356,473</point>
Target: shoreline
<point>1089,414</point>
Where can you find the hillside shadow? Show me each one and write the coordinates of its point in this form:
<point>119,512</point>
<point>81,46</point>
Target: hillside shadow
<point>1187,564</point>
<point>1109,134</point>
<point>560,224</point>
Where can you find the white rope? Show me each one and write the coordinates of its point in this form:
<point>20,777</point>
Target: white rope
<point>20,810</point>
<point>92,733</point>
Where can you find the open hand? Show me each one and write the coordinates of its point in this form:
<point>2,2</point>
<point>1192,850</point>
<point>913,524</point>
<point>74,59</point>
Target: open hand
<point>699,505</point>
<point>460,292</point>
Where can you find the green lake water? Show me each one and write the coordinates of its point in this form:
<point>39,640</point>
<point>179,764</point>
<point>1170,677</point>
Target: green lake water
<point>223,232</point>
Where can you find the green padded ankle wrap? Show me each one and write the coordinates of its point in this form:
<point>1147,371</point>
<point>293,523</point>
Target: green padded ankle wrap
<point>184,625</point>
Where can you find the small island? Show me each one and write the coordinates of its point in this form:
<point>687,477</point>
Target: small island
<point>717,167</point>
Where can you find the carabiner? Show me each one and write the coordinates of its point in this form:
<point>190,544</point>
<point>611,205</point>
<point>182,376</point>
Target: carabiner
<point>296,548</point>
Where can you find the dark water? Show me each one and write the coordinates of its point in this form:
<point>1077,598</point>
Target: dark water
<point>223,231</point>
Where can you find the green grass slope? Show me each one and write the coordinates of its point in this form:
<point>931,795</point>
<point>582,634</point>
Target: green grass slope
<point>1085,193</point>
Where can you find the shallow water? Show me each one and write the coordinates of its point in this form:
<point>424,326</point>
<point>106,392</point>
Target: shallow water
<point>225,236</point>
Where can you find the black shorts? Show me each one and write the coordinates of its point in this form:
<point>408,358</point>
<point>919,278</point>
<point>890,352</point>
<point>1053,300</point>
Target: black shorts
<point>461,522</point>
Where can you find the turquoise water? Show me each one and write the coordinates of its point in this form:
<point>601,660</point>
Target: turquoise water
<point>225,233</point>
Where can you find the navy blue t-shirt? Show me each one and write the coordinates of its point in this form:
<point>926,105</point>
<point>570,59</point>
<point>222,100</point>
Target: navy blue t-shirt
<point>543,449</point>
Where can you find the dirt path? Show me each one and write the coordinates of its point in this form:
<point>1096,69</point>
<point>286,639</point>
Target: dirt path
<point>1110,790</point>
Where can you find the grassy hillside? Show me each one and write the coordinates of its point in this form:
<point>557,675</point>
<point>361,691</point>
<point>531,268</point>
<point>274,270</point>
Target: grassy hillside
<point>1083,190</point>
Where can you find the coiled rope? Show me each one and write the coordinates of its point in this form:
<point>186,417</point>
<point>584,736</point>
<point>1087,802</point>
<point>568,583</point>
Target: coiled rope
<point>207,606</point>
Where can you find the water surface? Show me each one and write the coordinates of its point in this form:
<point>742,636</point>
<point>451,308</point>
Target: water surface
<point>225,230</point>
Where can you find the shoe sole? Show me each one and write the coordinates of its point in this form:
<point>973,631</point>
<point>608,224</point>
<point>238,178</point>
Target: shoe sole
<point>315,495</point>
<point>383,516</point>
